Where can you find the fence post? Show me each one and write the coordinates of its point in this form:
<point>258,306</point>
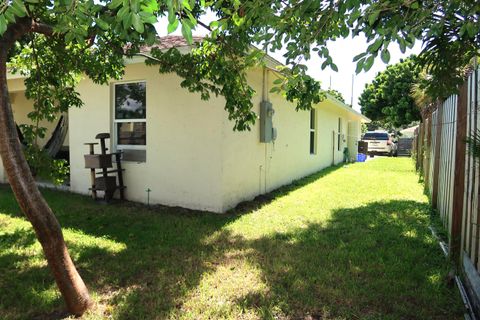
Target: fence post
<point>459,179</point>
<point>428,144</point>
<point>436,160</point>
<point>420,148</point>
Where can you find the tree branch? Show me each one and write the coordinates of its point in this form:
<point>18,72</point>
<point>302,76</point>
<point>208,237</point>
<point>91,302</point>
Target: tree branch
<point>14,32</point>
<point>91,40</point>
<point>204,25</point>
<point>41,28</point>
<point>148,57</point>
<point>25,25</point>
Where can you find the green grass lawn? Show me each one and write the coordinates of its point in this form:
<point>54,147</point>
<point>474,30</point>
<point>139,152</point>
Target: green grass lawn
<point>349,242</point>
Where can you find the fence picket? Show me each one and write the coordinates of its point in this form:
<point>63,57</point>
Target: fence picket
<point>452,176</point>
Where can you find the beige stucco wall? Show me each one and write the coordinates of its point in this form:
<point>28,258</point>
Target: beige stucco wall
<point>21,107</point>
<point>251,168</point>
<point>183,142</point>
<point>194,158</point>
<point>15,86</point>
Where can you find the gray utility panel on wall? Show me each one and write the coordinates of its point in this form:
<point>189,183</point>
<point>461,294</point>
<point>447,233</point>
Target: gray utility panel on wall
<point>267,132</point>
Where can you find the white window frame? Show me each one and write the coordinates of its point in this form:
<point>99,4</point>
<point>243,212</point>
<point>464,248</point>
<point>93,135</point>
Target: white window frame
<point>314,131</point>
<point>115,121</point>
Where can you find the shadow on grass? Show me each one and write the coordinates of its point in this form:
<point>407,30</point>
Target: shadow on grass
<point>373,262</point>
<point>163,252</point>
<point>377,261</point>
<point>264,199</point>
<point>20,281</point>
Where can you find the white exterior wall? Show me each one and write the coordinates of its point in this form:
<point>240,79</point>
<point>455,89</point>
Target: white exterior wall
<point>251,168</point>
<point>21,107</point>
<point>183,142</point>
<point>194,158</point>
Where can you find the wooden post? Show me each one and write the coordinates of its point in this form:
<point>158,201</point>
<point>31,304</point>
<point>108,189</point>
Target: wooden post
<point>414,145</point>
<point>121,187</point>
<point>436,160</point>
<point>420,148</point>
<point>459,179</point>
<point>428,144</point>
<point>417,137</point>
<point>92,171</point>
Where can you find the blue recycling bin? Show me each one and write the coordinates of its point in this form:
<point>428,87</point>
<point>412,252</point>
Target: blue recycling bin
<point>361,157</point>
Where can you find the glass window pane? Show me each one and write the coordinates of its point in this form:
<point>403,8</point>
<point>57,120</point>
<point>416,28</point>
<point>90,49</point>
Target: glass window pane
<point>130,100</point>
<point>312,119</point>
<point>375,136</point>
<point>312,142</point>
<point>132,133</point>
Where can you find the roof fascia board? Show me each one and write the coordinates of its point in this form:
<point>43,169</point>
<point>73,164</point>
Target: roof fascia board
<point>347,108</point>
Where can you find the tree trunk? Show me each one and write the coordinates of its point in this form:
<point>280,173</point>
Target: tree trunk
<point>29,198</point>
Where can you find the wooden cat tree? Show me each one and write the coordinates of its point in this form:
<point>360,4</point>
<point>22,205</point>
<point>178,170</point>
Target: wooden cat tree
<point>102,172</point>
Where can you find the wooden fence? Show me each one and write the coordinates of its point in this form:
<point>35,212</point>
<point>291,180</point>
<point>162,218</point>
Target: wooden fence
<point>452,177</point>
<point>444,122</point>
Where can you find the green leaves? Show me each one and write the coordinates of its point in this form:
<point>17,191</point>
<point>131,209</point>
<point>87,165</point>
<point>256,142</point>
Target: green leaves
<point>186,5</point>
<point>149,6</point>
<point>278,84</point>
<point>147,17</point>
<point>296,28</point>
<point>336,94</point>
<point>3,24</point>
<point>172,26</point>
<point>372,18</point>
<point>136,14</point>
<point>473,144</point>
<point>359,56</point>
<point>137,23</point>
<point>375,45</point>
<point>18,8</point>
<point>468,29</point>
<point>369,63</point>
<point>102,24</point>
<point>187,32</point>
<point>9,13</point>
<point>115,4</point>
<point>388,98</point>
<point>402,44</point>
<point>385,55</point>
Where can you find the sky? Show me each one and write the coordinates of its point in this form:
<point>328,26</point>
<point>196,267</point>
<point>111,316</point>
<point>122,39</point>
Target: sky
<point>342,52</point>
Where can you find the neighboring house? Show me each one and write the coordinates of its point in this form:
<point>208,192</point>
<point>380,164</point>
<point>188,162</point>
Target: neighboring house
<point>184,149</point>
<point>408,132</point>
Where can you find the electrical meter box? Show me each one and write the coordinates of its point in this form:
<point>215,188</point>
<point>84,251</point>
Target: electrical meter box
<point>267,132</point>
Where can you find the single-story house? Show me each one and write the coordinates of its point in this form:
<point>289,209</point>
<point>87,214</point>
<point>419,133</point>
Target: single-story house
<point>408,132</point>
<point>184,150</point>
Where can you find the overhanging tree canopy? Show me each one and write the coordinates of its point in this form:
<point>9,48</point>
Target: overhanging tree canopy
<point>53,41</point>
